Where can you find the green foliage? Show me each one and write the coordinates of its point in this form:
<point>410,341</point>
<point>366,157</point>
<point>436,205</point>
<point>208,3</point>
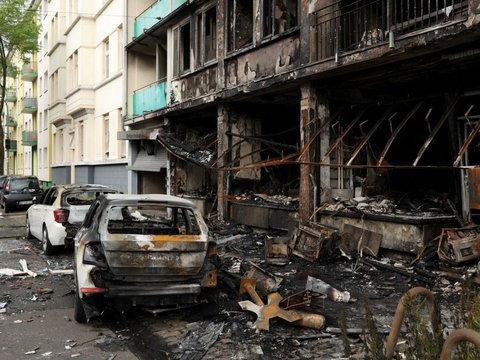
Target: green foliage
<point>346,342</point>
<point>423,341</point>
<point>470,315</point>
<point>18,29</point>
<point>372,338</point>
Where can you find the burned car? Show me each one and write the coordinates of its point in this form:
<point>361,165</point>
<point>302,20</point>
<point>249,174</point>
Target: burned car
<point>142,250</point>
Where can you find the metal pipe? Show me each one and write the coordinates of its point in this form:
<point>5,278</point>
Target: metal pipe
<point>314,196</point>
<point>400,315</point>
<point>456,337</point>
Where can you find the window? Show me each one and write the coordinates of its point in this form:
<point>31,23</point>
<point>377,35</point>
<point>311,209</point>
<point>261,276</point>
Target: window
<point>45,120</point>
<point>122,144</point>
<point>181,48</point>
<point>279,16</point>
<point>73,67</point>
<point>72,11</point>
<point>45,44</point>
<point>120,47</point>
<point>106,135</point>
<point>80,141</point>
<point>60,146</point>
<point>54,87</point>
<point>45,81</point>
<point>106,58</point>
<point>54,30</point>
<point>239,24</point>
<point>206,36</point>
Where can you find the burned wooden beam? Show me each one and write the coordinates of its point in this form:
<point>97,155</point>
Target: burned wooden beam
<point>409,274</point>
<point>266,142</point>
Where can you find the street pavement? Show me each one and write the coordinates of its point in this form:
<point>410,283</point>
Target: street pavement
<point>37,320</point>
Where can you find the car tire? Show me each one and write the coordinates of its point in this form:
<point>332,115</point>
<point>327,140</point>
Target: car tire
<point>27,228</point>
<point>48,248</point>
<point>78,309</point>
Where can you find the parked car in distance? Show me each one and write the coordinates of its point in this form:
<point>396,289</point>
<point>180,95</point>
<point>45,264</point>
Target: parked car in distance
<point>61,207</point>
<point>142,250</point>
<point>19,191</point>
<point>2,179</point>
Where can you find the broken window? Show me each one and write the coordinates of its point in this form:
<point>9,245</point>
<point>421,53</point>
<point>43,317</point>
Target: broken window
<point>240,24</point>
<point>181,49</point>
<point>279,16</point>
<point>206,36</point>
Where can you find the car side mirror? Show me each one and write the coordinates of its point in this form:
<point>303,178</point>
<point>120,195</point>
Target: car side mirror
<point>34,200</point>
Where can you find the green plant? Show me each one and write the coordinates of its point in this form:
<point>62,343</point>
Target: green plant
<point>372,339</point>
<point>346,342</point>
<point>423,342</point>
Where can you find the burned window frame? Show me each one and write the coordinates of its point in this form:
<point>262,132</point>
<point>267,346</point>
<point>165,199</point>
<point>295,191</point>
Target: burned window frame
<point>232,17</point>
<point>179,67</point>
<point>269,26</point>
<point>202,21</point>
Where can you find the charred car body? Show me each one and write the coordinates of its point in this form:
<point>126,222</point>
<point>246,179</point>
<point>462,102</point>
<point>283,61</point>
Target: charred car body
<point>141,250</point>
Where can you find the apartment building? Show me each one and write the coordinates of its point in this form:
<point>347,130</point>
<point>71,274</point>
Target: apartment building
<point>13,146</point>
<point>320,101</point>
<point>80,102</point>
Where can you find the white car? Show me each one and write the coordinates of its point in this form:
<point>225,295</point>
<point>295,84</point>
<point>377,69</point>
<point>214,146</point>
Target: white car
<point>59,206</point>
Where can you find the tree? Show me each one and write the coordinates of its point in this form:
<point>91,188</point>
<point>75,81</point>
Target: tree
<point>18,36</point>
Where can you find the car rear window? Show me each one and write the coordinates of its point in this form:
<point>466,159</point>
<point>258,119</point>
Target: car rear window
<point>27,183</point>
<point>83,197</point>
<point>152,220</point>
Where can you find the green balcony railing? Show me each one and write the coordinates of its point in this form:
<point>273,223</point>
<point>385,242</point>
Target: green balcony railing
<point>154,14</point>
<point>11,95</point>
<point>149,98</point>
<point>12,71</point>
<point>29,138</point>
<point>29,105</point>
<point>11,145</point>
<point>11,122</point>
<point>29,72</point>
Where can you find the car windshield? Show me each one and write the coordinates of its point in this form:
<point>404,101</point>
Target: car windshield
<point>27,183</point>
<point>155,219</point>
<point>83,197</point>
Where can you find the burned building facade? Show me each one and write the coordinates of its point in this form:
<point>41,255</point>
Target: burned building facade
<point>354,114</point>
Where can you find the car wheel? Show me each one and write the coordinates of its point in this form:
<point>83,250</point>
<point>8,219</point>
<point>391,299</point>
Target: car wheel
<point>78,310</point>
<point>48,248</point>
<point>27,228</point>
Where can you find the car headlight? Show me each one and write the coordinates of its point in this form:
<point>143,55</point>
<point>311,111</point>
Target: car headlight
<point>94,255</point>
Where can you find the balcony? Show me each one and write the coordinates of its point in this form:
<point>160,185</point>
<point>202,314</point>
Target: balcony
<point>352,26</point>
<point>11,145</point>
<point>11,122</point>
<point>11,95</point>
<point>29,72</point>
<point>29,105</point>
<point>29,138</point>
<point>12,71</point>
<point>154,14</point>
<point>149,98</point>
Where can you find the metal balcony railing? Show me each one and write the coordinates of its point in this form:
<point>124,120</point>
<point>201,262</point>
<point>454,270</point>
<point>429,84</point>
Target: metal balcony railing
<point>154,14</point>
<point>29,138</point>
<point>11,95</point>
<point>29,71</point>
<point>11,145</point>
<point>353,25</point>
<point>149,98</point>
<point>29,105</point>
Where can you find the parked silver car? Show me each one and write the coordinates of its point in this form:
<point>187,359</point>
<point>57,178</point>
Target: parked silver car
<point>141,250</point>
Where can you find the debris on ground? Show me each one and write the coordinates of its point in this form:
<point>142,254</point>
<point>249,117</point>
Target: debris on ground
<point>321,287</point>
<point>198,341</point>
<point>458,245</point>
